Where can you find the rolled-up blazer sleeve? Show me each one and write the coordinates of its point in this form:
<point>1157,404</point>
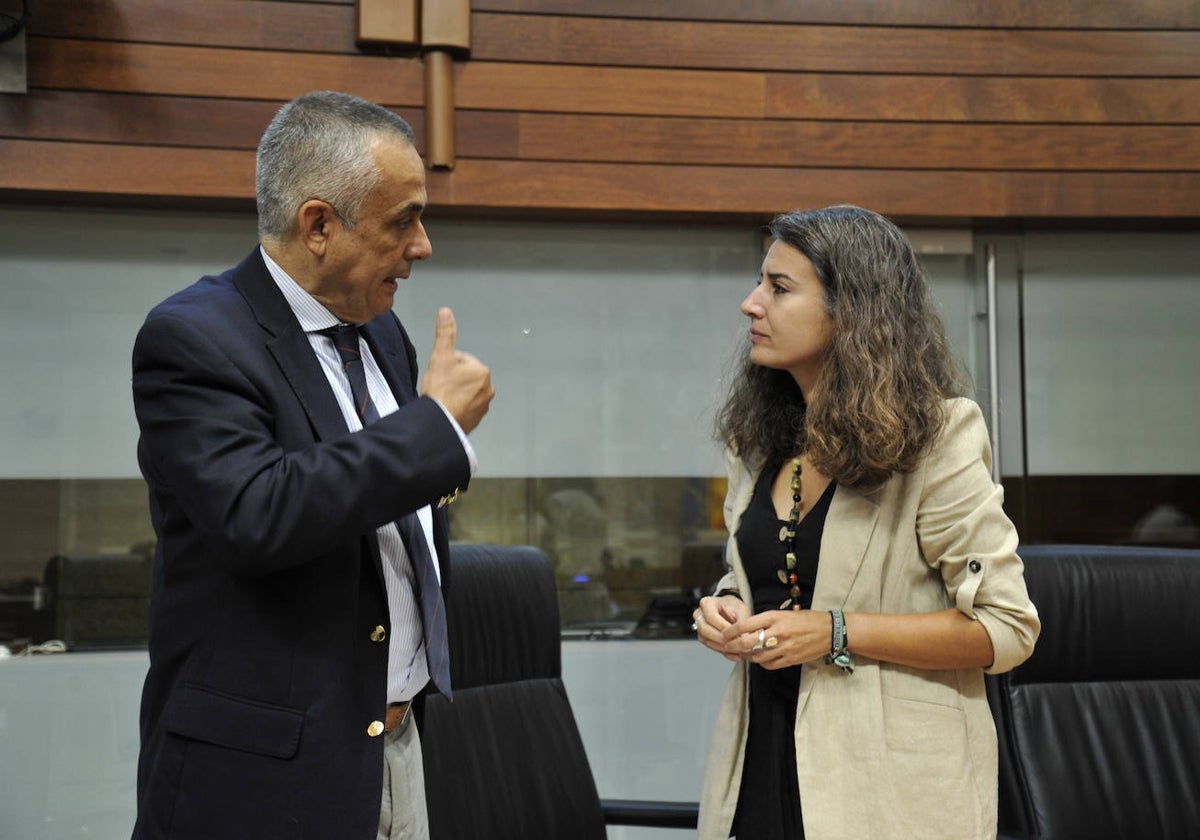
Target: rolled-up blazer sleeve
<point>965,534</point>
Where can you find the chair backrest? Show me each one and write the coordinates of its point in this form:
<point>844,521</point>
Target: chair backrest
<point>505,759</point>
<point>99,600</point>
<point>1100,729</point>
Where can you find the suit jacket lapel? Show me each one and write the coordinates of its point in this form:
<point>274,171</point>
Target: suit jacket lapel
<point>848,528</point>
<point>383,335</point>
<point>294,355</point>
<point>290,347</point>
<point>847,532</point>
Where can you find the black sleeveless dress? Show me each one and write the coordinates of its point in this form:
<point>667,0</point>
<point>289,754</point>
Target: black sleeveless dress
<point>769,799</point>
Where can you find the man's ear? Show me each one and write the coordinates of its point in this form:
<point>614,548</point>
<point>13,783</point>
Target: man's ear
<point>316,220</point>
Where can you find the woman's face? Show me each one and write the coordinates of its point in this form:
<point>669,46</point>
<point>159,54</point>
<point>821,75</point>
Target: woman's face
<point>789,326</point>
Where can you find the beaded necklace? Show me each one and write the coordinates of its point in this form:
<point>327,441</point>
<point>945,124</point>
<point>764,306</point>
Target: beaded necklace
<point>787,534</point>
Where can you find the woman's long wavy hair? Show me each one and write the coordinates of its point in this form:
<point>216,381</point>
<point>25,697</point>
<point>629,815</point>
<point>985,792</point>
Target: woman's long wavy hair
<point>877,403</point>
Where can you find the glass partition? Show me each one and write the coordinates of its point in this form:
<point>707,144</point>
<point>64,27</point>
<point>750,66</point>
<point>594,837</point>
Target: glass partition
<point>608,345</point>
<point>1111,343</point>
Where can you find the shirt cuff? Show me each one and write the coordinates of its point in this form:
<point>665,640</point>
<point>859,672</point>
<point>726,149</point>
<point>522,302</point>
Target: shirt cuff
<point>462,436</point>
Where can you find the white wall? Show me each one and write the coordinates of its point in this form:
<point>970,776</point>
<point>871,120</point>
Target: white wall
<point>69,732</point>
<point>606,342</point>
<point>1112,353</point>
<point>74,288</point>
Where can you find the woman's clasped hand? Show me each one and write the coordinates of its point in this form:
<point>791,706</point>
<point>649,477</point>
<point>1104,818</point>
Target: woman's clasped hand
<point>772,639</point>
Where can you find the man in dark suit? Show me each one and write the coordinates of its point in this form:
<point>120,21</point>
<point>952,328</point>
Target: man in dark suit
<point>287,638</point>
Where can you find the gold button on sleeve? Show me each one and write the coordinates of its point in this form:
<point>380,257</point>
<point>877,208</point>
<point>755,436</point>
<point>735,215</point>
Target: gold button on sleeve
<point>375,729</point>
<point>379,633</point>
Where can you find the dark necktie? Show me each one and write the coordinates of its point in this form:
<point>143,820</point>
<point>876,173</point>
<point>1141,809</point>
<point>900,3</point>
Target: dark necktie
<point>433,612</point>
<point>345,339</point>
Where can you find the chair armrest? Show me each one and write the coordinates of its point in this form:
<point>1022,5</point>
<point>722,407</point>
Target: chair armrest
<point>650,813</point>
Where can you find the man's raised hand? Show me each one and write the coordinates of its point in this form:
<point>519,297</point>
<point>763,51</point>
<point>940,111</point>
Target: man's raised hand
<point>457,380</point>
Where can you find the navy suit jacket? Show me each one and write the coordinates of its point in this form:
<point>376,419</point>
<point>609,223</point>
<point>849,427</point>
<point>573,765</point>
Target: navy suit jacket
<point>267,584</point>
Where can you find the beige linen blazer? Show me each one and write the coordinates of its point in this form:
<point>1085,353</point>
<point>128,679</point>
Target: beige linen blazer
<point>891,752</point>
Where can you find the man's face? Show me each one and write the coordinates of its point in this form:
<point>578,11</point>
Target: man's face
<point>362,266</point>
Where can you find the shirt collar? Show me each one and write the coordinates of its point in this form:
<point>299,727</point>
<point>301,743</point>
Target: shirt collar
<point>312,315</point>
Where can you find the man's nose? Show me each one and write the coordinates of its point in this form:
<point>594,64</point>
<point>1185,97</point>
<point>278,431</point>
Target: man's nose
<point>421,248</point>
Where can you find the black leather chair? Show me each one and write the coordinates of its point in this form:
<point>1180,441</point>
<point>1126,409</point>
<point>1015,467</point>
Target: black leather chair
<point>1099,730</point>
<point>99,600</point>
<point>505,761</point>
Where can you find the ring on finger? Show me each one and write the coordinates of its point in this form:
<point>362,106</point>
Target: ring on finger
<point>762,638</point>
<point>770,642</point>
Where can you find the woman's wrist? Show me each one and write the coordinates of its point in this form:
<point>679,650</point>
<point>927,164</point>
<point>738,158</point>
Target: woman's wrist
<point>839,643</point>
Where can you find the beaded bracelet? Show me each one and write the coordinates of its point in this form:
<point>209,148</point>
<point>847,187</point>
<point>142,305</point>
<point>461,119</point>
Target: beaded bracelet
<point>839,644</point>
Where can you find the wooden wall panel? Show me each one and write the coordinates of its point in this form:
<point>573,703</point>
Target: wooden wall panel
<point>1072,14</point>
<point>610,90</point>
<point>233,74</point>
<point>850,49</point>
<point>985,100</point>
<point>137,118</point>
<point>943,110</point>
<point>128,171</point>
<point>681,190</point>
<point>195,176</point>
<point>206,122</point>
<point>251,24</point>
<point>823,143</point>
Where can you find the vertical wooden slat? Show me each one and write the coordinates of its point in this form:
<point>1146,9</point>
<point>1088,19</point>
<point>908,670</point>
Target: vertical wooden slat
<point>439,109</point>
<point>445,30</point>
<point>388,22</point>
<point>446,24</point>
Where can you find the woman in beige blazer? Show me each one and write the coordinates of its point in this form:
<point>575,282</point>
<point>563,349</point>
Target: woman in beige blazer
<point>873,576</point>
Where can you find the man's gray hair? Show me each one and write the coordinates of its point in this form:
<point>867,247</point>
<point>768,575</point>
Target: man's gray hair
<point>319,146</point>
